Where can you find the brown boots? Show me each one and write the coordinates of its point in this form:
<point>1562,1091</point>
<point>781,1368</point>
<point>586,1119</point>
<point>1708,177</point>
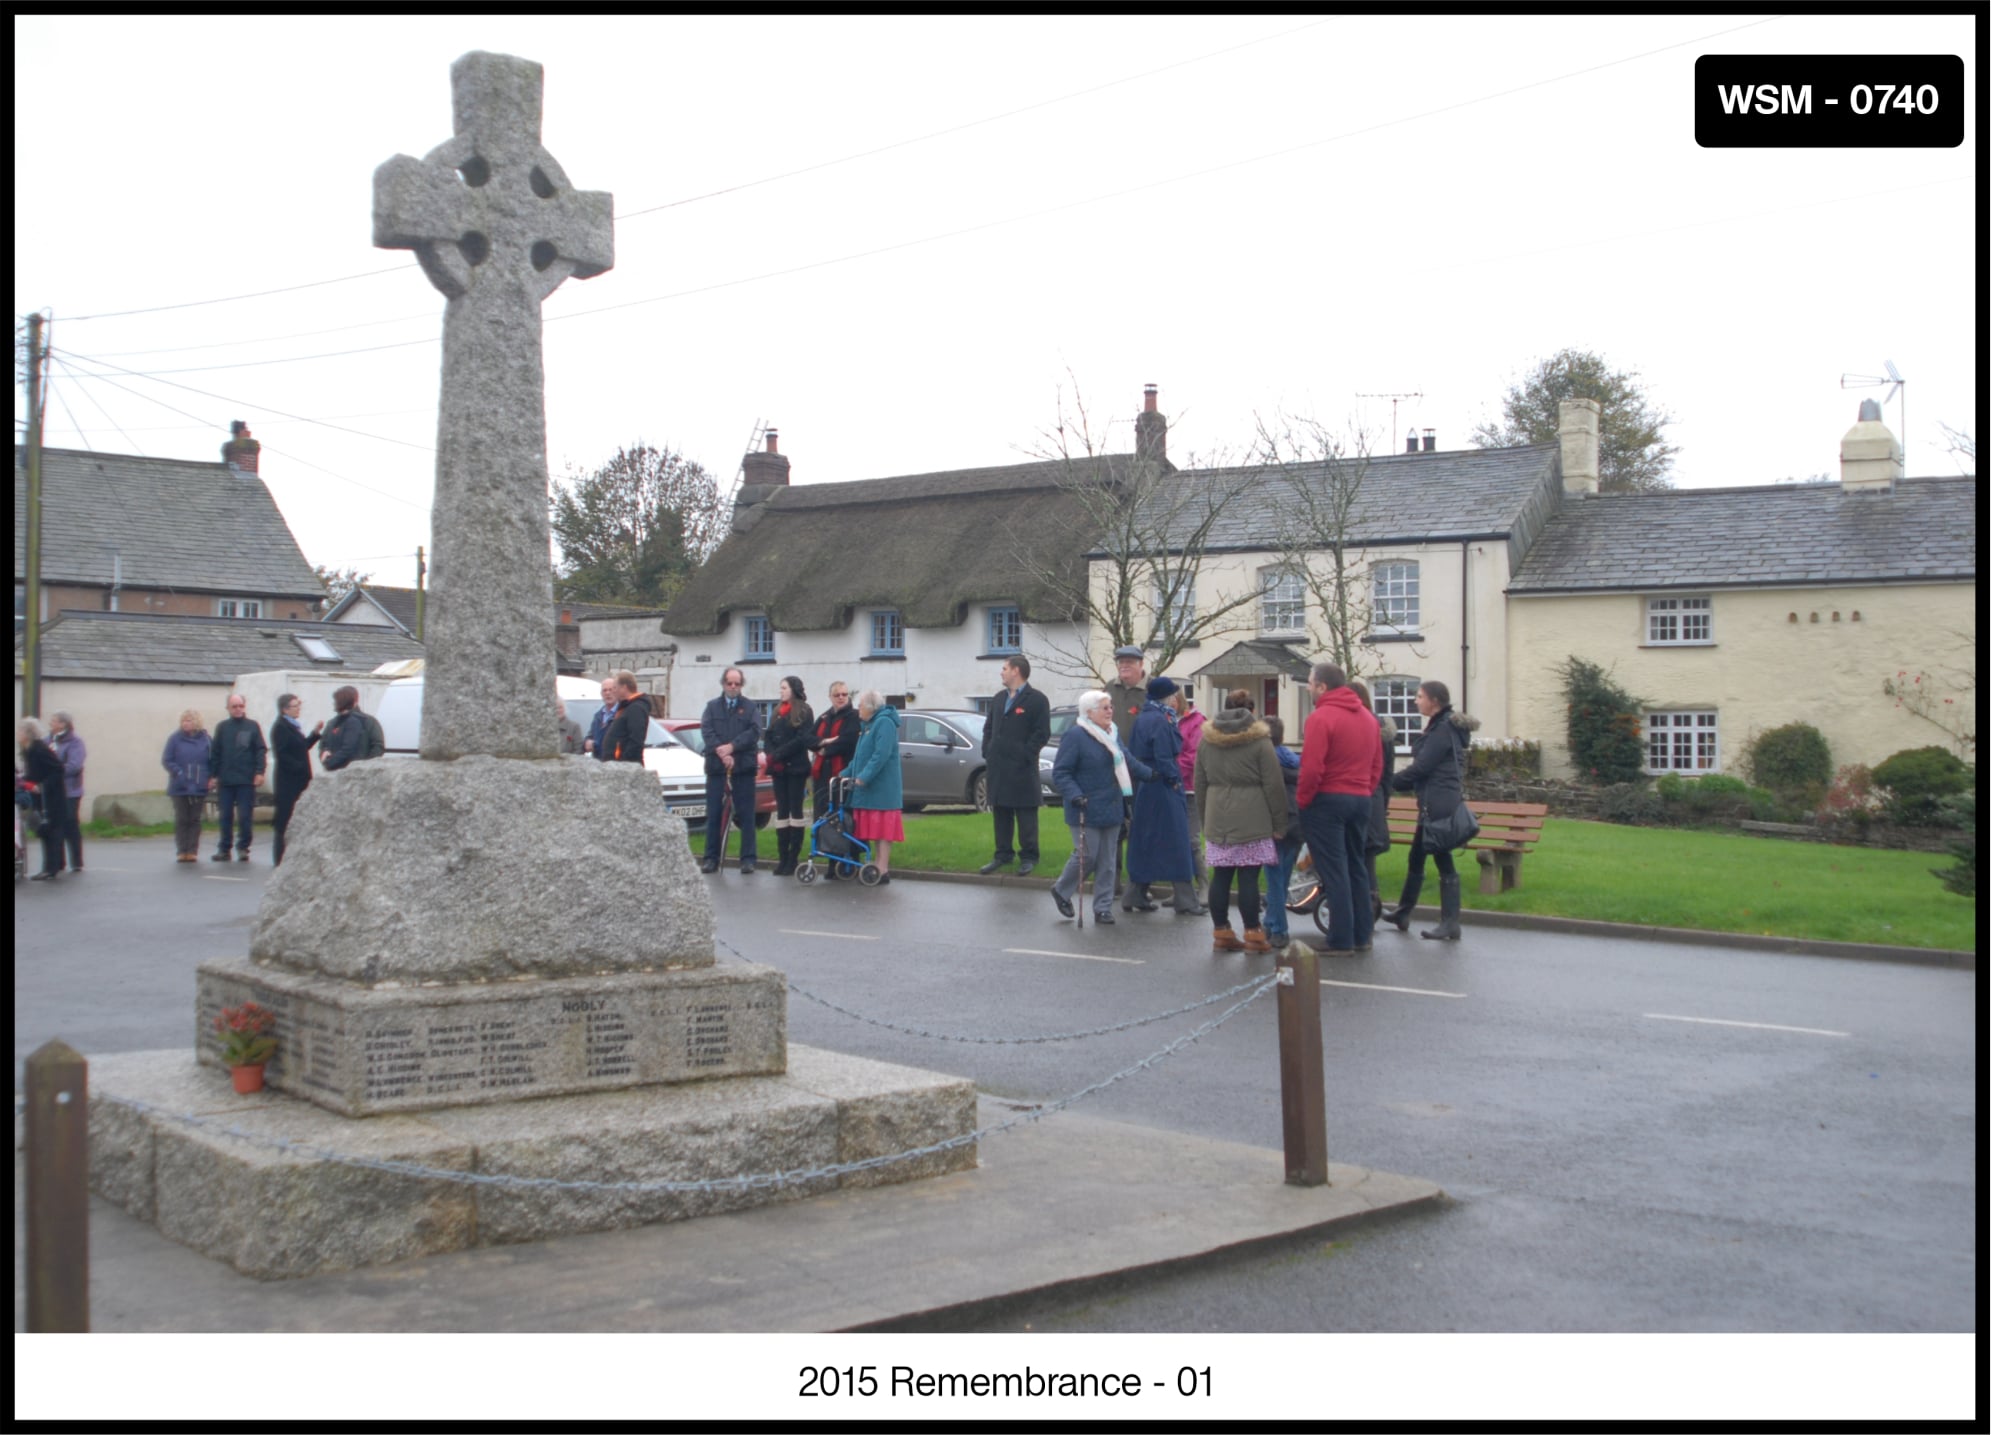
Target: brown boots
<point>1226,940</point>
<point>1252,940</point>
<point>1255,941</point>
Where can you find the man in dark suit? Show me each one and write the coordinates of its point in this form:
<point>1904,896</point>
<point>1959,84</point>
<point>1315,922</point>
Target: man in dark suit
<point>729,734</point>
<point>1017,728</point>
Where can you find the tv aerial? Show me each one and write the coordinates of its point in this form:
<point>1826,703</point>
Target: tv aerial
<point>1894,379</point>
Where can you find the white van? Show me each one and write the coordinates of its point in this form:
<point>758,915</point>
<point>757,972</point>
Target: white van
<point>683,784</point>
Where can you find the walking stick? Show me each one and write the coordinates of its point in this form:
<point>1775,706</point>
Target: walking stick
<point>1079,875</point>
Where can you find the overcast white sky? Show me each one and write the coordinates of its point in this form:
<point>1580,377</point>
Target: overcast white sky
<point>1257,214</point>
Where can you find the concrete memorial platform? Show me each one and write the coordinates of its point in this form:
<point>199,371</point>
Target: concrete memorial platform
<point>496,961</point>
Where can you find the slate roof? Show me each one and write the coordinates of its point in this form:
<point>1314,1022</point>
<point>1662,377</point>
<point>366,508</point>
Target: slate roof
<point>1404,497</point>
<point>928,545</point>
<point>1251,657</point>
<point>171,648</point>
<point>1923,530</point>
<point>398,604</point>
<point>196,527</point>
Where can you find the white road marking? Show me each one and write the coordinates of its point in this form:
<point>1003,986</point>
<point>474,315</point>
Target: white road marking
<point>206,878</point>
<point>1378,987</point>
<point>1079,956</point>
<point>843,936</point>
<point>1757,1025</point>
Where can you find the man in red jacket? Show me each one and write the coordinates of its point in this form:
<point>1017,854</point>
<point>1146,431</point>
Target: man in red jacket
<point>1340,761</point>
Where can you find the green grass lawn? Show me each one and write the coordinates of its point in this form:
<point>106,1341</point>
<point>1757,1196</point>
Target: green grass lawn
<point>1650,876</point>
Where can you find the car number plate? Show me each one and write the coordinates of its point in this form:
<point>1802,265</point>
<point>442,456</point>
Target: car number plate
<point>691,810</point>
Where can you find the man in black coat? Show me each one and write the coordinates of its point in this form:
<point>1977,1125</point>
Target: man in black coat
<point>1017,728</point>
<point>729,735</point>
<point>237,757</point>
<point>624,737</point>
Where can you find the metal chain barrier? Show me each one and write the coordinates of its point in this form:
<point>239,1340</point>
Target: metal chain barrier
<point>759,1181</point>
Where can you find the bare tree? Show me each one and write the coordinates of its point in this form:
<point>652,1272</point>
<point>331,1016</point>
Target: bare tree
<point>1963,446</point>
<point>1319,477</point>
<point>338,582</point>
<point>1143,536</point>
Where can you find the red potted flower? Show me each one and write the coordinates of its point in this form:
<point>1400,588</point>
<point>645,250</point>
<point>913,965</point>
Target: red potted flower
<point>247,1043</point>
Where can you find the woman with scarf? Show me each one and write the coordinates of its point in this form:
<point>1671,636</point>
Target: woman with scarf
<point>1241,792</point>
<point>1094,775</point>
<point>833,741</point>
<point>291,760</point>
<point>787,755</point>
<point>1158,849</point>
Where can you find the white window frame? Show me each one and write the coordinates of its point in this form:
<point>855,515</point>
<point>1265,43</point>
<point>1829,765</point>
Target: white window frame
<point>1283,611</point>
<point>753,625</point>
<point>885,626</point>
<point>239,607</point>
<point>1180,621</point>
<point>1680,621</point>
<point>1400,608</point>
<point>998,621</point>
<point>1686,741</point>
<point>1398,703</point>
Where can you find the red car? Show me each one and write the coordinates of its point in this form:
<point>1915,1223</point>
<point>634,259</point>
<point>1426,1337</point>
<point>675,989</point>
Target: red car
<point>688,732</point>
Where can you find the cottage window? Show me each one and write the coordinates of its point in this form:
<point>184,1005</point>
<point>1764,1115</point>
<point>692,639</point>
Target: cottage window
<point>1396,700</point>
<point>1284,602</point>
<point>1679,621</point>
<point>1003,630</point>
<point>239,608</point>
<point>1681,742</point>
<point>1396,606</point>
<point>758,641</point>
<point>767,708</point>
<point>1174,603</point>
<point>885,635</point>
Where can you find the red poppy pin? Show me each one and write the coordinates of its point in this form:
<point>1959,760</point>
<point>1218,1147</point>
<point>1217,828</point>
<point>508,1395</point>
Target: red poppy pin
<point>1019,711</point>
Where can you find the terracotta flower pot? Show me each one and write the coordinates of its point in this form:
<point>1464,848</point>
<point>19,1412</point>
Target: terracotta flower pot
<point>247,1079</point>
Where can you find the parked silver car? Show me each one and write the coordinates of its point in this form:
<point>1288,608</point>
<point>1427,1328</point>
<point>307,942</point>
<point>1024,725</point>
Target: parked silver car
<point>942,762</point>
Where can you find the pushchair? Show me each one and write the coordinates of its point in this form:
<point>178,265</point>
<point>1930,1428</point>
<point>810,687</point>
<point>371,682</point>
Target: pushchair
<point>834,842</point>
<point>1304,894</point>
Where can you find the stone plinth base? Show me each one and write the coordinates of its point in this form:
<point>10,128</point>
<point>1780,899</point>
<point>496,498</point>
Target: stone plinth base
<point>363,1051</point>
<point>273,1213</point>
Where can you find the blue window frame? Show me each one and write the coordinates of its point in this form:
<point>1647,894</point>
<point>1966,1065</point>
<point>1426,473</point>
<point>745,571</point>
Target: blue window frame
<point>758,641</point>
<point>885,635</point>
<point>1003,630</point>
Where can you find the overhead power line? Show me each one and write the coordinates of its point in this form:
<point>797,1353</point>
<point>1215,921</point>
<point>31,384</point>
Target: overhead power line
<point>233,298</point>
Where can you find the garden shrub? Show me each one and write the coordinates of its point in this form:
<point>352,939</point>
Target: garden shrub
<point>1515,757</point>
<point>1854,798</point>
<point>1633,803</point>
<point>1919,779</point>
<point>1961,809</point>
<point>1604,740</point>
<point>1712,795</point>
<point>1791,758</point>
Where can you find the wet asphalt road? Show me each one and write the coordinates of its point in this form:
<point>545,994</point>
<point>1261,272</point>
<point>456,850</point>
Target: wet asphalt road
<point>1636,1136</point>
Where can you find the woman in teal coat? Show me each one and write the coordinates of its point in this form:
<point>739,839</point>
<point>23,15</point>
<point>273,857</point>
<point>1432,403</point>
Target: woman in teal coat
<point>877,771</point>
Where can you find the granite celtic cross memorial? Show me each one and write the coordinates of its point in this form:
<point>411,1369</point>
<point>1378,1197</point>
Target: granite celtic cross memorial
<point>495,959</point>
<point>497,227</point>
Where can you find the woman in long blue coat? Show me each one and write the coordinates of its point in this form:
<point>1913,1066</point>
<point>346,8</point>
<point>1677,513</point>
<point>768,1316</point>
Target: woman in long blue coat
<point>877,771</point>
<point>1158,850</point>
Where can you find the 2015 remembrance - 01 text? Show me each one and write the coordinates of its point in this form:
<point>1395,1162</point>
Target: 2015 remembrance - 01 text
<point>862,1381</point>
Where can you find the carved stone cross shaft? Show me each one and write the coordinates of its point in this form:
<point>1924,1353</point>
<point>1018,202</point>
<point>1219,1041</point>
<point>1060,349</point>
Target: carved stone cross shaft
<point>497,227</point>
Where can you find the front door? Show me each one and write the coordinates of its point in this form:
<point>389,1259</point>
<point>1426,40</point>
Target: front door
<point>1270,697</point>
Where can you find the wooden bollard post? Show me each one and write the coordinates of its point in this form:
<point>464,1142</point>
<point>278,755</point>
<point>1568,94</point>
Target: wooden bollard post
<point>1301,1066</point>
<point>58,1191</point>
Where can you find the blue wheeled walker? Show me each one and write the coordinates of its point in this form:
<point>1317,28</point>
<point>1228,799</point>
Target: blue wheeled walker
<point>833,840</point>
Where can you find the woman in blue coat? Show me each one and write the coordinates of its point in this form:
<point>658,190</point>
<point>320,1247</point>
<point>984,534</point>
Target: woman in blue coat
<point>877,771</point>
<point>1158,849</point>
<point>1095,775</point>
<point>186,760</point>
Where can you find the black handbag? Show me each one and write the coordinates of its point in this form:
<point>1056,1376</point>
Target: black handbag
<point>1449,833</point>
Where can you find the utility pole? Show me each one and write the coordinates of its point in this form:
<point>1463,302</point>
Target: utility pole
<point>420,592</point>
<point>31,633</point>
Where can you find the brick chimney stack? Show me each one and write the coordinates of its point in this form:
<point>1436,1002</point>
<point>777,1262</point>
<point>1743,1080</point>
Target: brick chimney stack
<point>769,468</point>
<point>240,453</point>
<point>1578,432</point>
<point>1150,432</point>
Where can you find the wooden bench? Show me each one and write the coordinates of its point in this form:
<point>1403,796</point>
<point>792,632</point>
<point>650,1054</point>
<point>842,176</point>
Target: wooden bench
<point>1508,832</point>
